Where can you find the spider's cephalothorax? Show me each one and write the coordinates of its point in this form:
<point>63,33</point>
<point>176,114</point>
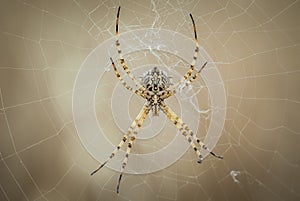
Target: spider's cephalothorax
<point>155,87</point>
<point>155,81</point>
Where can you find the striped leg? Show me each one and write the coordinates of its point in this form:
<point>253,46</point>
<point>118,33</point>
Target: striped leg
<point>124,83</point>
<point>192,66</point>
<point>195,76</point>
<point>125,137</point>
<point>185,127</point>
<point>130,143</point>
<point>122,61</point>
<point>172,90</point>
<point>176,122</point>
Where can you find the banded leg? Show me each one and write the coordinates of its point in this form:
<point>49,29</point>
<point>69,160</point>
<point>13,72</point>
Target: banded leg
<point>122,61</point>
<point>172,92</point>
<point>123,82</point>
<point>185,127</point>
<point>125,137</point>
<point>130,143</point>
<point>175,121</point>
<point>192,66</point>
<point>195,76</point>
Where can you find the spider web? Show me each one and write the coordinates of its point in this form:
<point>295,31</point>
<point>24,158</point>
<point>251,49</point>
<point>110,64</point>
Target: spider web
<point>255,47</point>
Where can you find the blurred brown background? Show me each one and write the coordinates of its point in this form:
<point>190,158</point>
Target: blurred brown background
<point>255,45</point>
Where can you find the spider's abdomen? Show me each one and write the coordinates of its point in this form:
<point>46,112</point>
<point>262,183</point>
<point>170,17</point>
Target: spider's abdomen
<point>155,80</point>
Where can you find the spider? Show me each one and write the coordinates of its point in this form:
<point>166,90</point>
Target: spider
<point>155,87</point>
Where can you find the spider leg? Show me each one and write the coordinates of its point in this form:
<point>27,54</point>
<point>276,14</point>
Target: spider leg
<point>176,122</point>
<point>123,82</point>
<point>195,76</point>
<point>171,93</point>
<point>130,143</point>
<point>172,90</point>
<point>125,137</point>
<point>122,61</point>
<point>183,126</point>
<point>192,66</point>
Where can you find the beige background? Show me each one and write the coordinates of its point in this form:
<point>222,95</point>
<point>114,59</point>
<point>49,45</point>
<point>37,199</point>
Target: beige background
<point>255,45</point>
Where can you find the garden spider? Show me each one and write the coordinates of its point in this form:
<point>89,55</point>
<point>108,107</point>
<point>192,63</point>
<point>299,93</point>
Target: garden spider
<point>155,87</point>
